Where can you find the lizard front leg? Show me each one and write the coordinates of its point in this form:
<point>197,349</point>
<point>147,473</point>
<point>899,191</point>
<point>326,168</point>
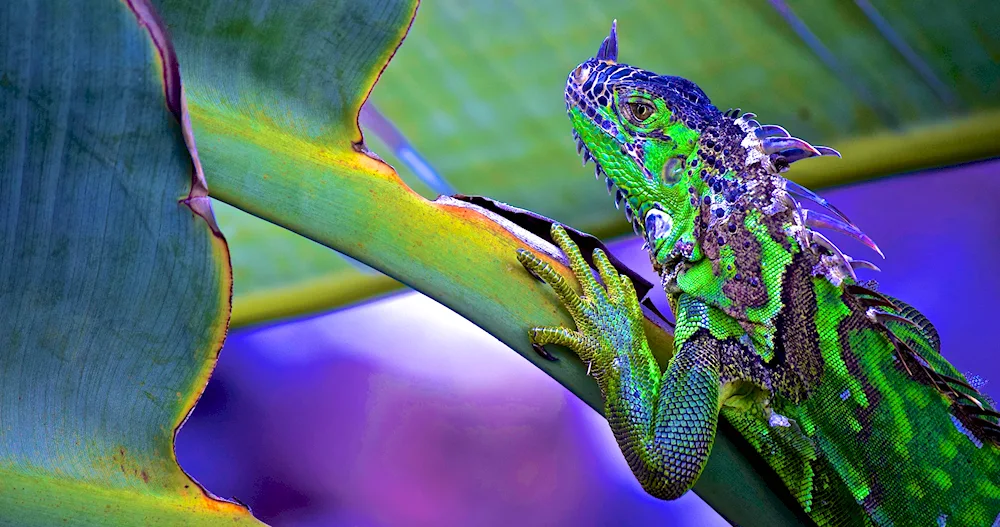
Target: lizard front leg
<point>664,422</point>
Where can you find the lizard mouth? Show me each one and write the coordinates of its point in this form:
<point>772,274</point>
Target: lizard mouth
<point>654,224</point>
<point>651,221</point>
<point>620,195</point>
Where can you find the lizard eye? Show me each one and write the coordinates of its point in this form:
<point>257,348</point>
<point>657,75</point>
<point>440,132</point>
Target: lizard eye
<point>640,110</point>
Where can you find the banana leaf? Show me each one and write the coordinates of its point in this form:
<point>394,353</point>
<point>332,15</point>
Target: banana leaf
<point>114,280</point>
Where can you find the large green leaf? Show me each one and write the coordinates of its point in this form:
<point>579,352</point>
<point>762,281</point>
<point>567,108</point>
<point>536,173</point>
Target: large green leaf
<point>114,295</point>
<point>274,92</point>
<point>309,101</point>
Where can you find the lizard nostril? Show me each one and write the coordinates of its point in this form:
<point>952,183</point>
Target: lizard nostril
<point>581,73</point>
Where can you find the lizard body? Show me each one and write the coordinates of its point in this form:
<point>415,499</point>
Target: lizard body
<point>841,389</point>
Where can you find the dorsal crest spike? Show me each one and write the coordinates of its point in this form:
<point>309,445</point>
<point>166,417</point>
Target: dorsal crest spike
<point>609,48</point>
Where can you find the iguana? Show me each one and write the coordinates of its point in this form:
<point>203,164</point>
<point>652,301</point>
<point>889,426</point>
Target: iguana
<point>840,388</point>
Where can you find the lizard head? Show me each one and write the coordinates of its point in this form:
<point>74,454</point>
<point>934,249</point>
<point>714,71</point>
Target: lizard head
<point>668,155</point>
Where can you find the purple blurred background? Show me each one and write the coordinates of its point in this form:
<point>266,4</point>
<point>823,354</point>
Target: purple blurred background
<point>401,413</point>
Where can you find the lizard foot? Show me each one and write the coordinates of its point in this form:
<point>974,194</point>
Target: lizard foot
<point>607,315</point>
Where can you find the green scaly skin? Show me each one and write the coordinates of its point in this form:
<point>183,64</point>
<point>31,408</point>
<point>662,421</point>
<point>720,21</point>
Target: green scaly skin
<point>841,389</point>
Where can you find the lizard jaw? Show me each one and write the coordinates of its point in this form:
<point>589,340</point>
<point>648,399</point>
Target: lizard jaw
<point>654,226</point>
<point>621,197</point>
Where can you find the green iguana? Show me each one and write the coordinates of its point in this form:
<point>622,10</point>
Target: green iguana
<point>841,389</point>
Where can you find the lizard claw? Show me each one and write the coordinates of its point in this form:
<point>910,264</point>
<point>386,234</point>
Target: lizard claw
<point>530,270</point>
<point>540,349</point>
<point>597,311</point>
